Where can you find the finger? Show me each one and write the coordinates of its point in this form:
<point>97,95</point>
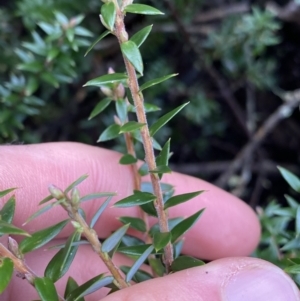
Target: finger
<point>228,226</point>
<point>228,279</point>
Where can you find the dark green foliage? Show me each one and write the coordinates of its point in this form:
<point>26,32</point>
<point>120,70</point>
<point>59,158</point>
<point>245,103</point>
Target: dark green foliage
<point>6,272</point>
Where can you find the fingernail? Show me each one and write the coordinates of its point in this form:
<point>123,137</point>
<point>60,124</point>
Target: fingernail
<point>261,284</point>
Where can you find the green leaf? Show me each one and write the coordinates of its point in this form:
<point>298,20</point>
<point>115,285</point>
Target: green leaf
<point>144,170</point>
<point>137,136</point>
<point>75,183</point>
<point>149,107</point>
<point>106,79</point>
<point>121,108</point>
<point>160,240</point>
<point>181,198</point>
<point>139,37</point>
<point>101,106</point>
<point>139,276</point>
<point>8,210</point>
<point>185,225</point>
<point>185,262</point>
<point>298,221</point>
<point>131,51</point>
<point>138,198</point>
<point>136,250</point>
<point>127,159</point>
<point>131,126</point>
<point>142,9</point>
<point>43,210</point>
<point>5,192</point>
<point>110,133</point>
<point>103,35</point>
<point>161,170</point>
<point>108,12</point>
<point>163,158</point>
<point>7,228</point>
<point>135,223</point>
<point>138,263</point>
<point>164,119</point>
<point>128,240</point>
<point>294,269</point>
<point>96,195</point>
<point>156,81</point>
<point>157,266</point>
<point>172,222</point>
<point>46,199</point>
<point>46,289</point>
<point>98,213</point>
<point>6,272</point>
<point>178,247</point>
<point>89,287</point>
<point>292,179</point>
<point>60,263</point>
<point>71,286</point>
<point>41,237</point>
<point>114,239</point>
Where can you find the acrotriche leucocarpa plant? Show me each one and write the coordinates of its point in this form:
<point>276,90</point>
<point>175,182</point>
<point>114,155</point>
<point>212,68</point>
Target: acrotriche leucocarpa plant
<point>162,244</point>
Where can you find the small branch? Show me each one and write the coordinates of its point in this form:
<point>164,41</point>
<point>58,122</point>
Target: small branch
<point>122,36</point>
<point>291,101</point>
<point>93,239</point>
<point>21,267</point>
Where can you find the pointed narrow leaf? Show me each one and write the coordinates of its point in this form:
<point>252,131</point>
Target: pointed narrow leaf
<point>106,79</point>
<point>96,195</point>
<point>138,263</point>
<point>98,213</point>
<point>5,192</point>
<point>144,170</point>
<point>294,269</point>
<point>71,286</point>
<point>128,240</point>
<point>292,179</point>
<point>46,199</point>
<point>75,183</point>
<point>138,198</point>
<point>121,108</point>
<point>135,223</point>
<point>172,222</point>
<point>139,37</point>
<point>127,159</point>
<point>137,136</point>
<point>163,158</point>
<point>89,287</point>
<point>178,247</point>
<point>185,262</point>
<point>142,9</point>
<point>185,225</point>
<point>108,12</point>
<point>6,272</point>
<point>114,239</point>
<point>178,199</point>
<point>164,119</point>
<point>156,81</point>
<point>157,266</point>
<point>60,263</point>
<point>103,35</point>
<point>136,250</point>
<point>8,210</point>
<point>139,276</point>
<point>110,133</point>
<point>131,51</point>
<point>7,228</point>
<point>101,106</point>
<point>149,209</point>
<point>41,237</point>
<point>46,289</point>
<point>160,240</point>
<point>131,126</point>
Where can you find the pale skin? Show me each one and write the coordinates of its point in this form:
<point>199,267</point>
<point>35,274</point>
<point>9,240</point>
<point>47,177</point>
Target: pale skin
<point>227,232</point>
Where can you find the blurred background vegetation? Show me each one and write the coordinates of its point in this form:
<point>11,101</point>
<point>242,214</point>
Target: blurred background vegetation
<point>238,65</point>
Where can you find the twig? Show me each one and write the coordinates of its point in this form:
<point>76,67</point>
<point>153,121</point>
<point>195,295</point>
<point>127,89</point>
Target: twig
<point>133,85</point>
<point>291,101</point>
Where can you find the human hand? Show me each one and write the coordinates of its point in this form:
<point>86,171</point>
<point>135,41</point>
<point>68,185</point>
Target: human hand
<point>227,230</point>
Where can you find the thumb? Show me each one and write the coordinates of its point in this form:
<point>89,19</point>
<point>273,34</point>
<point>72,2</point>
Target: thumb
<point>227,279</point>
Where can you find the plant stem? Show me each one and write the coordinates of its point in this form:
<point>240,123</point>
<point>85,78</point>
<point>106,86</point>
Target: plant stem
<point>93,239</point>
<point>137,96</point>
